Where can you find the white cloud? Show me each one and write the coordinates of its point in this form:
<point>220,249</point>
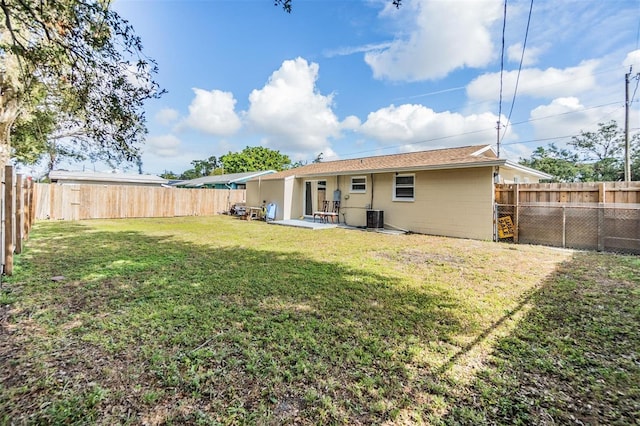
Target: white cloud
<point>163,146</point>
<point>346,51</point>
<point>350,123</point>
<point>548,83</point>
<point>411,124</point>
<point>633,58</point>
<point>291,113</point>
<point>567,117</point>
<point>531,54</point>
<point>445,35</point>
<point>167,116</point>
<point>213,112</point>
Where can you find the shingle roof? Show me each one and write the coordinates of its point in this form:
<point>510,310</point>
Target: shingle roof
<point>468,156</point>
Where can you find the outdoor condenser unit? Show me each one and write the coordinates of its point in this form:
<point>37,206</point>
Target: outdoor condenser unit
<point>375,219</point>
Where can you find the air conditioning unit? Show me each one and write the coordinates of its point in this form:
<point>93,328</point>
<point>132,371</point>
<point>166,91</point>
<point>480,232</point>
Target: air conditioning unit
<point>375,219</point>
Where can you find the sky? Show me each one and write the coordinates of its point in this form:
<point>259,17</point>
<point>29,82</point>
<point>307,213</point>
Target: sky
<point>348,79</point>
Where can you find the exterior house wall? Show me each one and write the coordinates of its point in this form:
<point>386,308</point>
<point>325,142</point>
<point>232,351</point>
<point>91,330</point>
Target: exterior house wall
<point>449,202</point>
<point>297,206</point>
<point>271,191</point>
<point>353,205</point>
<point>455,203</point>
<point>516,176</point>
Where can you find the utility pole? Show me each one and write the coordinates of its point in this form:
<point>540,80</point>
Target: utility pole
<point>627,150</point>
<point>498,139</point>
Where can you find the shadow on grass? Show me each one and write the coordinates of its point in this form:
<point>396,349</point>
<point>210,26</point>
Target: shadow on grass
<point>573,358</point>
<point>150,329</point>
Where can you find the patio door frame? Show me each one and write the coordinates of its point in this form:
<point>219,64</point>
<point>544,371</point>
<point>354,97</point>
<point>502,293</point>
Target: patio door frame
<point>311,189</point>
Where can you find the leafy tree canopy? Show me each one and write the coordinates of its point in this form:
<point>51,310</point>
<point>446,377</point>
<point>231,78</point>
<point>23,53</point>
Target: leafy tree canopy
<point>78,64</point>
<point>201,168</point>
<point>255,159</point>
<point>589,157</point>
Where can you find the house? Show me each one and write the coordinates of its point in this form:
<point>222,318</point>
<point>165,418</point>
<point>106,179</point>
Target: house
<point>447,192</point>
<point>65,177</point>
<point>228,181</point>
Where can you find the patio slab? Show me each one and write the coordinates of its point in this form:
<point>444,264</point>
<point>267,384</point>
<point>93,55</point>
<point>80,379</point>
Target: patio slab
<point>307,224</point>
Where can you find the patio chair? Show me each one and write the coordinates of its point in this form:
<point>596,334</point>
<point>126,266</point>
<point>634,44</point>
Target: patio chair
<point>322,214</point>
<point>334,214</point>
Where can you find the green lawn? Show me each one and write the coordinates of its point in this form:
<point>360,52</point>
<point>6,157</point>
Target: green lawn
<point>221,321</point>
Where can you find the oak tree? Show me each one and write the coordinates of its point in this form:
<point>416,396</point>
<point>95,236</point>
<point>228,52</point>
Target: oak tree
<point>81,63</point>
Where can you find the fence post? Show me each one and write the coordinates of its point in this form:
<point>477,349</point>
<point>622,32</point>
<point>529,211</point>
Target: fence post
<point>564,226</point>
<point>602,198</point>
<point>19,213</point>
<point>28,208</point>
<point>516,213</point>
<point>8,217</point>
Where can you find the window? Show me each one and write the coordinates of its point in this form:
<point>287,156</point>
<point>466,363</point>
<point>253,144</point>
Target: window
<point>359,184</point>
<point>403,187</point>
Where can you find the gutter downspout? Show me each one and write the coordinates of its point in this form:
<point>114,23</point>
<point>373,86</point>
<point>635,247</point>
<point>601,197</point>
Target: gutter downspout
<point>371,204</point>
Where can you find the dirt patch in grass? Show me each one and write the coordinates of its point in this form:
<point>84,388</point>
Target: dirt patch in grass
<point>418,257</point>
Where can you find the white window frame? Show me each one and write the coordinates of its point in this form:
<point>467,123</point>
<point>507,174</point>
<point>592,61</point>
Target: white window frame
<point>395,187</point>
<point>358,191</point>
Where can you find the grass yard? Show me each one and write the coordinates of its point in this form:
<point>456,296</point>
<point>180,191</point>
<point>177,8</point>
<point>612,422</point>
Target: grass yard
<point>220,321</point>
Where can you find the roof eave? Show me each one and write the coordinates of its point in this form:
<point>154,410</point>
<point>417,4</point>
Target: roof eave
<point>245,179</point>
<point>489,163</point>
<point>520,167</point>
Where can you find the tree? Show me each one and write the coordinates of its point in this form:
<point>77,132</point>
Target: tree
<point>255,159</point>
<point>202,168</point>
<point>603,150</point>
<point>80,62</point>
<point>206,167</point>
<point>589,157</point>
<point>561,163</point>
<point>168,174</point>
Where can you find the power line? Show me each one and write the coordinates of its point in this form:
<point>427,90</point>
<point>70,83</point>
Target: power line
<point>538,140</point>
<point>504,27</point>
<point>423,141</point>
<point>637,79</point>
<point>515,90</point>
<point>565,113</point>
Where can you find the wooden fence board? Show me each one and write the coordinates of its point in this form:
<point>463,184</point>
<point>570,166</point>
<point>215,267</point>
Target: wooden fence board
<point>569,193</point>
<point>79,202</point>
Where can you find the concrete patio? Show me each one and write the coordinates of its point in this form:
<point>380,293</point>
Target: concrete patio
<point>306,223</point>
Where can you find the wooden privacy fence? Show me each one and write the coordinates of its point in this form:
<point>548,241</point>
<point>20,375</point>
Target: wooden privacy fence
<point>17,210</point>
<point>590,215</point>
<point>79,202</point>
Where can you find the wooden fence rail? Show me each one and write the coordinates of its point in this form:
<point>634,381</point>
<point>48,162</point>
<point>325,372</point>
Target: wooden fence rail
<point>569,193</point>
<point>80,202</point>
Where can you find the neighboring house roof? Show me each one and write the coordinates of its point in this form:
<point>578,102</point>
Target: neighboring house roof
<point>79,177</point>
<point>449,158</point>
<point>223,179</point>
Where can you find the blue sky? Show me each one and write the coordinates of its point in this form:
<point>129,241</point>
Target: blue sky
<point>357,78</point>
